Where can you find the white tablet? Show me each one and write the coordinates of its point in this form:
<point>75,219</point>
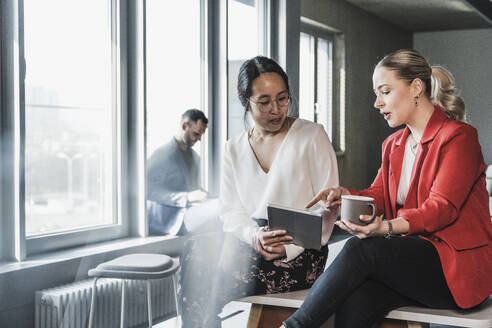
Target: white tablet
<point>303,226</point>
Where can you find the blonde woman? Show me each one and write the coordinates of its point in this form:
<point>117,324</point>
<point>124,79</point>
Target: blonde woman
<point>434,246</point>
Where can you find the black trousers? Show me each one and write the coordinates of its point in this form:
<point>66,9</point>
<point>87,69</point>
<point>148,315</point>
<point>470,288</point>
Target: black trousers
<point>371,277</point>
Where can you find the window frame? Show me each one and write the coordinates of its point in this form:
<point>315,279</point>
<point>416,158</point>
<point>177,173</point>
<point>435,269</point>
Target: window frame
<point>264,43</point>
<point>337,38</point>
<point>129,122</point>
<point>10,63</point>
<point>15,244</point>
<point>216,70</point>
<point>205,143</point>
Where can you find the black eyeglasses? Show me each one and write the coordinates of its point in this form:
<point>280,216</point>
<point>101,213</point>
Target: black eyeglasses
<point>266,105</point>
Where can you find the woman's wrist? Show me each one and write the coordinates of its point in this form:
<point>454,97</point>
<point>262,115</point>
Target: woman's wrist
<point>394,227</point>
<point>256,238</point>
<point>400,226</point>
<point>389,229</point>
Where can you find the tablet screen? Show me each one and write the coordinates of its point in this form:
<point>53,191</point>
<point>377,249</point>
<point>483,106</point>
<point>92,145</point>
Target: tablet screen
<point>304,226</point>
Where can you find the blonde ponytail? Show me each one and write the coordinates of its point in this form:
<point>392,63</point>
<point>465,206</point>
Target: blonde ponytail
<point>443,93</point>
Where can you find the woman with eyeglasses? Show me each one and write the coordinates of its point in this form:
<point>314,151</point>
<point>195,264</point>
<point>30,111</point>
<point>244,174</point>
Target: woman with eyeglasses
<point>434,247</point>
<point>280,160</point>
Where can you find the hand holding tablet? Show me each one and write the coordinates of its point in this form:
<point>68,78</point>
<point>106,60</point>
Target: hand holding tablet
<point>270,244</point>
<point>305,227</point>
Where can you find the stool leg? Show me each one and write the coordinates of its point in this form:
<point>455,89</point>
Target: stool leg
<point>175,285</point>
<point>123,301</point>
<point>149,303</point>
<point>93,303</point>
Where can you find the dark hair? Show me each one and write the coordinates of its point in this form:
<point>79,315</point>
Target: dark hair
<point>409,65</point>
<point>250,70</point>
<point>195,115</point>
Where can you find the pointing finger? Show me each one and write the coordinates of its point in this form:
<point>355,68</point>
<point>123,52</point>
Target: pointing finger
<point>316,199</point>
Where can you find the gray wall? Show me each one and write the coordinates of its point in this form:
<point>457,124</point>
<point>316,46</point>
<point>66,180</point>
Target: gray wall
<point>468,55</point>
<point>367,39</point>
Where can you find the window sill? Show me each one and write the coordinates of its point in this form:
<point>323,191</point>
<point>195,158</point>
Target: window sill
<point>172,245</point>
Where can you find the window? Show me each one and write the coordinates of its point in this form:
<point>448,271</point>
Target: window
<point>316,76</point>
<point>246,38</point>
<point>69,115</point>
<point>90,86</point>
<point>72,123</point>
<point>173,67</point>
<point>320,81</point>
<point>174,86</point>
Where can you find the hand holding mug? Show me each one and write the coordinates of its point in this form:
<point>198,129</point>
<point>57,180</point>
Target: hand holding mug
<point>354,206</point>
<point>358,216</point>
<point>374,226</point>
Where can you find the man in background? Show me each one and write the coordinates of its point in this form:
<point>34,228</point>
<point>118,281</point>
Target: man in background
<point>176,203</point>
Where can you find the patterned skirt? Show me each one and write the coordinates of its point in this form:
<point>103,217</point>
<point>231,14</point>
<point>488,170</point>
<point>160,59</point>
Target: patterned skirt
<point>217,268</point>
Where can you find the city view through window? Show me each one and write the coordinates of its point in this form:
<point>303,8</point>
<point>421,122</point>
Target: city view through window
<point>69,118</point>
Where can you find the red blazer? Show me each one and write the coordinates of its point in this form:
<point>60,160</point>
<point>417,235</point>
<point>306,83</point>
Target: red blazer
<point>447,202</point>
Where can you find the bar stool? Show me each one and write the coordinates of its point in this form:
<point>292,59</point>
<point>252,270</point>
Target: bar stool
<point>135,267</point>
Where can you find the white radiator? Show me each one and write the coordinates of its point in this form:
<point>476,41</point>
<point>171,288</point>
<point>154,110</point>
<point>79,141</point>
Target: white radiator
<point>68,306</point>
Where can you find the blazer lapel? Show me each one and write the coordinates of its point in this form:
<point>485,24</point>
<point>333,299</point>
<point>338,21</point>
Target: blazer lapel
<point>430,131</point>
<point>396,160</point>
<point>411,200</point>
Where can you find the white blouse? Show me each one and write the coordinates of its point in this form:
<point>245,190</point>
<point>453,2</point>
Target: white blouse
<point>305,164</point>
<point>406,173</point>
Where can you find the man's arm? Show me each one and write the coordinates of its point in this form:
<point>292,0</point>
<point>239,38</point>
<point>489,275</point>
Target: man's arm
<point>166,184</point>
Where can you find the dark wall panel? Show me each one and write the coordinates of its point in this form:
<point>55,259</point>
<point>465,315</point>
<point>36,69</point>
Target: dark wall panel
<point>367,39</point>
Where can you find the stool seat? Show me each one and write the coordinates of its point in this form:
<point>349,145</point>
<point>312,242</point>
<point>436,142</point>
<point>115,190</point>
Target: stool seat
<point>137,266</point>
